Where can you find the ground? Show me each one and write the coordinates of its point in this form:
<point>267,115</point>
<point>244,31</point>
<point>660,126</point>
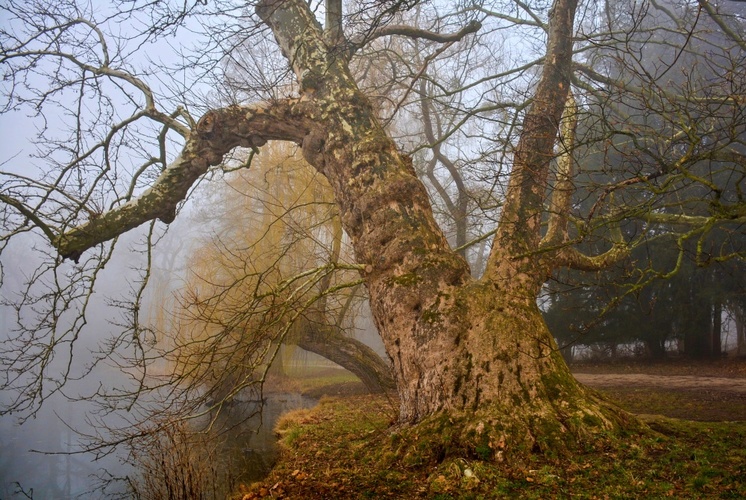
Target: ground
<point>703,391</point>
<point>346,447</point>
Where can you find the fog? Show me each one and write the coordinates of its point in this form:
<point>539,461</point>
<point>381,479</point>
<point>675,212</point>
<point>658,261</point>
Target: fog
<point>43,456</point>
<point>91,379</point>
<point>43,453</point>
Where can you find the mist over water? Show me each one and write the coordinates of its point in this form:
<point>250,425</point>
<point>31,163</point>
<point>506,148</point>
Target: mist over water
<point>62,474</point>
<point>41,455</point>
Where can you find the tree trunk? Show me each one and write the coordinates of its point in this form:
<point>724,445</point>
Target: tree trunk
<point>717,329</point>
<point>739,317</point>
<point>458,345</point>
<point>657,348</point>
<point>697,329</point>
<point>353,355</point>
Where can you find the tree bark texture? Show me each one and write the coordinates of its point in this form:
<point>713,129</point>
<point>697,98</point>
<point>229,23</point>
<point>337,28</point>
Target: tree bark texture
<point>459,346</point>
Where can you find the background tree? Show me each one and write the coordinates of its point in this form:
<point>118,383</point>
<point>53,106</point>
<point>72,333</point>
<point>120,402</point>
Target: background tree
<point>273,271</point>
<point>665,108</point>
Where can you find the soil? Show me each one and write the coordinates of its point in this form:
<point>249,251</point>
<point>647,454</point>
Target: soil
<point>706,391</point>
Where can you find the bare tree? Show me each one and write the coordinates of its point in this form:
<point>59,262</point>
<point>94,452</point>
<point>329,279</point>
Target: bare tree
<point>476,350</point>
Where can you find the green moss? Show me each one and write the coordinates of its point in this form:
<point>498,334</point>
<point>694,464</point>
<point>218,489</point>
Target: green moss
<point>556,383</point>
<point>408,279</point>
<point>483,451</point>
<point>592,420</point>
<point>431,316</point>
<point>346,449</point>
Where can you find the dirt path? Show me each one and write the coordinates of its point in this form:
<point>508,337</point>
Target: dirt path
<point>663,382</point>
<point>690,397</point>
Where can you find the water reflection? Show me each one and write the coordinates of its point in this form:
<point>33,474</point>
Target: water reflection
<point>55,474</point>
<point>253,444</point>
<point>248,447</point>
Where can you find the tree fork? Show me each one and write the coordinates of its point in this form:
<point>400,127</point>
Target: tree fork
<point>460,347</point>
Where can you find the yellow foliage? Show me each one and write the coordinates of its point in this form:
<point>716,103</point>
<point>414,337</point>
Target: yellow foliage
<point>276,236</point>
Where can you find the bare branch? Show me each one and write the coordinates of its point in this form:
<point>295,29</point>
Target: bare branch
<point>574,259</point>
<point>712,12</point>
<point>50,233</point>
<point>216,134</point>
<point>413,32</point>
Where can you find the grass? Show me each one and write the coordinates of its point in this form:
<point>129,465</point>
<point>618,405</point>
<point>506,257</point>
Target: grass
<point>705,405</point>
<point>316,382</point>
<point>347,448</point>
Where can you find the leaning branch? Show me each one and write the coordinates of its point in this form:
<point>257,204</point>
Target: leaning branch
<point>575,259</point>
<point>656,93</point>
<point>572,258</point>
<point>412,32</point>
<point>418,33</point>
<point>715,16</point>
<point>217,133</point>
<point>30,215</point>
<point>735,214</point>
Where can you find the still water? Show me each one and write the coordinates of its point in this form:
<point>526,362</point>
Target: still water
<point>251,444</point>
<point>255,443</point>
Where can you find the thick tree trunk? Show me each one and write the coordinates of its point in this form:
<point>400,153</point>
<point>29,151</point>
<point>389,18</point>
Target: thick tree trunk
<point>458,345</point>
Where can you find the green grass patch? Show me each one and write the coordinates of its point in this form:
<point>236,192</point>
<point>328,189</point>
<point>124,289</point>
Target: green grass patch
<point>685,404</point>
<point>314,382</point>
<point>347,448</point>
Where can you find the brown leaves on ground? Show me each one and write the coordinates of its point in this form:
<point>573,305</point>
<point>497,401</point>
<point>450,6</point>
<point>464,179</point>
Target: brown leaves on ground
<point>346,448</point>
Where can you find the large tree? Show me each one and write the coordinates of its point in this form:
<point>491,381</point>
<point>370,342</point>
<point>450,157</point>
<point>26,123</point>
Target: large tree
<point>474,350</point>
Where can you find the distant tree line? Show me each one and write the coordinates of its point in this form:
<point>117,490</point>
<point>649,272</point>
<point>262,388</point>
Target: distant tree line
<point>681,315</point>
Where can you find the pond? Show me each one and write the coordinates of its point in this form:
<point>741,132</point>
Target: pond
<point>249,447</point>
<point>253,443</point>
